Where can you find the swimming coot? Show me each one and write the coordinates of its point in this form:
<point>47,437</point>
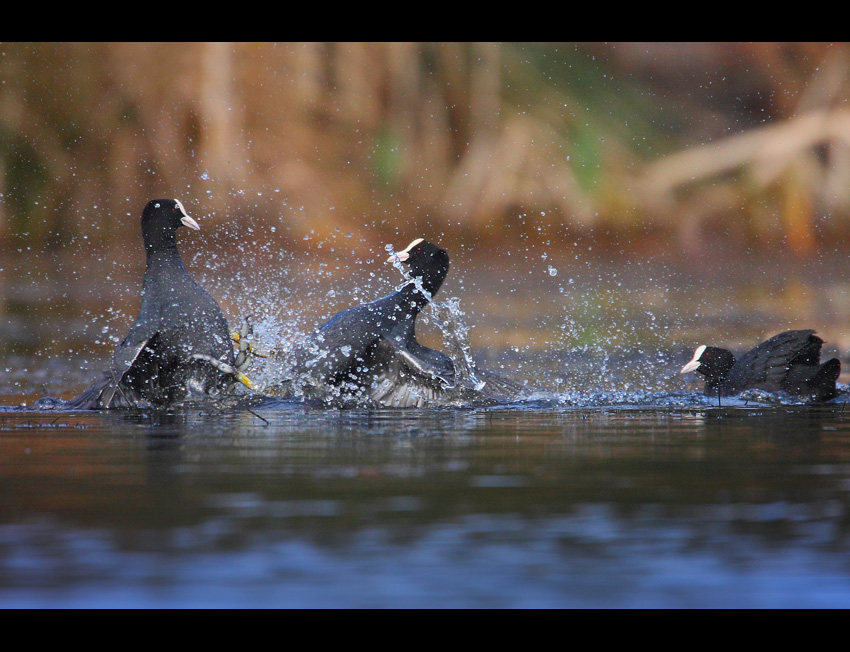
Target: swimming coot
<point>788,362</point>
<point>179,346</point>
<point>370,351</point>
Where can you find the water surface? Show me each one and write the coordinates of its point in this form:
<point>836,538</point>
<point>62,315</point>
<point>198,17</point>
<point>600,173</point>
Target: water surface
<point>531,505</point>
<point>615,485</point>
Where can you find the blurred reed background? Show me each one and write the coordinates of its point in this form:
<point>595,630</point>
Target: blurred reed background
<point>679,151</point>
<point>749,140</point>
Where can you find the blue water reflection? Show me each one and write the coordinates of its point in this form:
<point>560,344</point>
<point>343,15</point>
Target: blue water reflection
<point>518,507</point>
<point>591,559</point>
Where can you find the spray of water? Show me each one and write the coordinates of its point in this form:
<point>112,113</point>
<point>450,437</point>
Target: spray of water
<point>597,333</point>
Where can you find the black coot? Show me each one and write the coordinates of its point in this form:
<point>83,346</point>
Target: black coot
<point>370,351</point>
<point>180,345</point>
<point>788,362</point>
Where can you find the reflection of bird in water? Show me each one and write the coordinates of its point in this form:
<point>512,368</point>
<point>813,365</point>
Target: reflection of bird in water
<point>788,362</point>
<point>179,346</point>
<point>369,352</point>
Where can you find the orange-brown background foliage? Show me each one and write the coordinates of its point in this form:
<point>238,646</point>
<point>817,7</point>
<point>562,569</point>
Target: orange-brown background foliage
<point>647,141</point>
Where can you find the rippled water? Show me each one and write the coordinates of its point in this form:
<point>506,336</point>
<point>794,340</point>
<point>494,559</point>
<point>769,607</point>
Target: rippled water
<point>531,505</point>
<point>614,484</point>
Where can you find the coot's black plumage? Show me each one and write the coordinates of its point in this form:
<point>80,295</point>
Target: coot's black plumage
<point>370,351</point>
<point>788,362</point>
<point>180,345</point>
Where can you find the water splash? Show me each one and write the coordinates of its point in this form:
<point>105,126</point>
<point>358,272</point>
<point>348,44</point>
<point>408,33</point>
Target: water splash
<point>449,318</point>
<point>610,336</point>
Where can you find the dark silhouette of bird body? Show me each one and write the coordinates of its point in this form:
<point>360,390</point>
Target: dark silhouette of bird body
<point>179,345</point>
<point>370,351</point>
<point>788,362</point>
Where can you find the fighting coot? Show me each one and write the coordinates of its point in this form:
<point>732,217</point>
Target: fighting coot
<point>788,362</point>
<point>180,345</point>
<point>370,351</point>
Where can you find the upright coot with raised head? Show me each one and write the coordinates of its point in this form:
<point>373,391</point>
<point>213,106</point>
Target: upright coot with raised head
<point>370,351</point>
<point>180,346</point>
<point>788,362</point>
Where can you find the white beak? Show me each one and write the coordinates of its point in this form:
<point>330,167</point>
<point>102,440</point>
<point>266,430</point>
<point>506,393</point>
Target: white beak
<point>186,220</point>
<point>404,255</point>
<point>693,365</point>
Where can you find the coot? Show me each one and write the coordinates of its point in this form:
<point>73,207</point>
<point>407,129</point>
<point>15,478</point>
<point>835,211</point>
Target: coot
<point>180,346</point>
<point>788,362</point>
<point>370,351</point>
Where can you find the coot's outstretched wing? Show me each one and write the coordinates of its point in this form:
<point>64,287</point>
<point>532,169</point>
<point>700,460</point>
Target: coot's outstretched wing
<point>398,377</point>
<point>107,392</point>
<point>112,390</point>
<point>497,387</point>
<point>415,376</point>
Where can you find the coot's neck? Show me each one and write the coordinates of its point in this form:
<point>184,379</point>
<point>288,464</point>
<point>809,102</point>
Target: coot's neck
<point>161,246</point>
<point>412,293</point>
<point>163,266</point>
